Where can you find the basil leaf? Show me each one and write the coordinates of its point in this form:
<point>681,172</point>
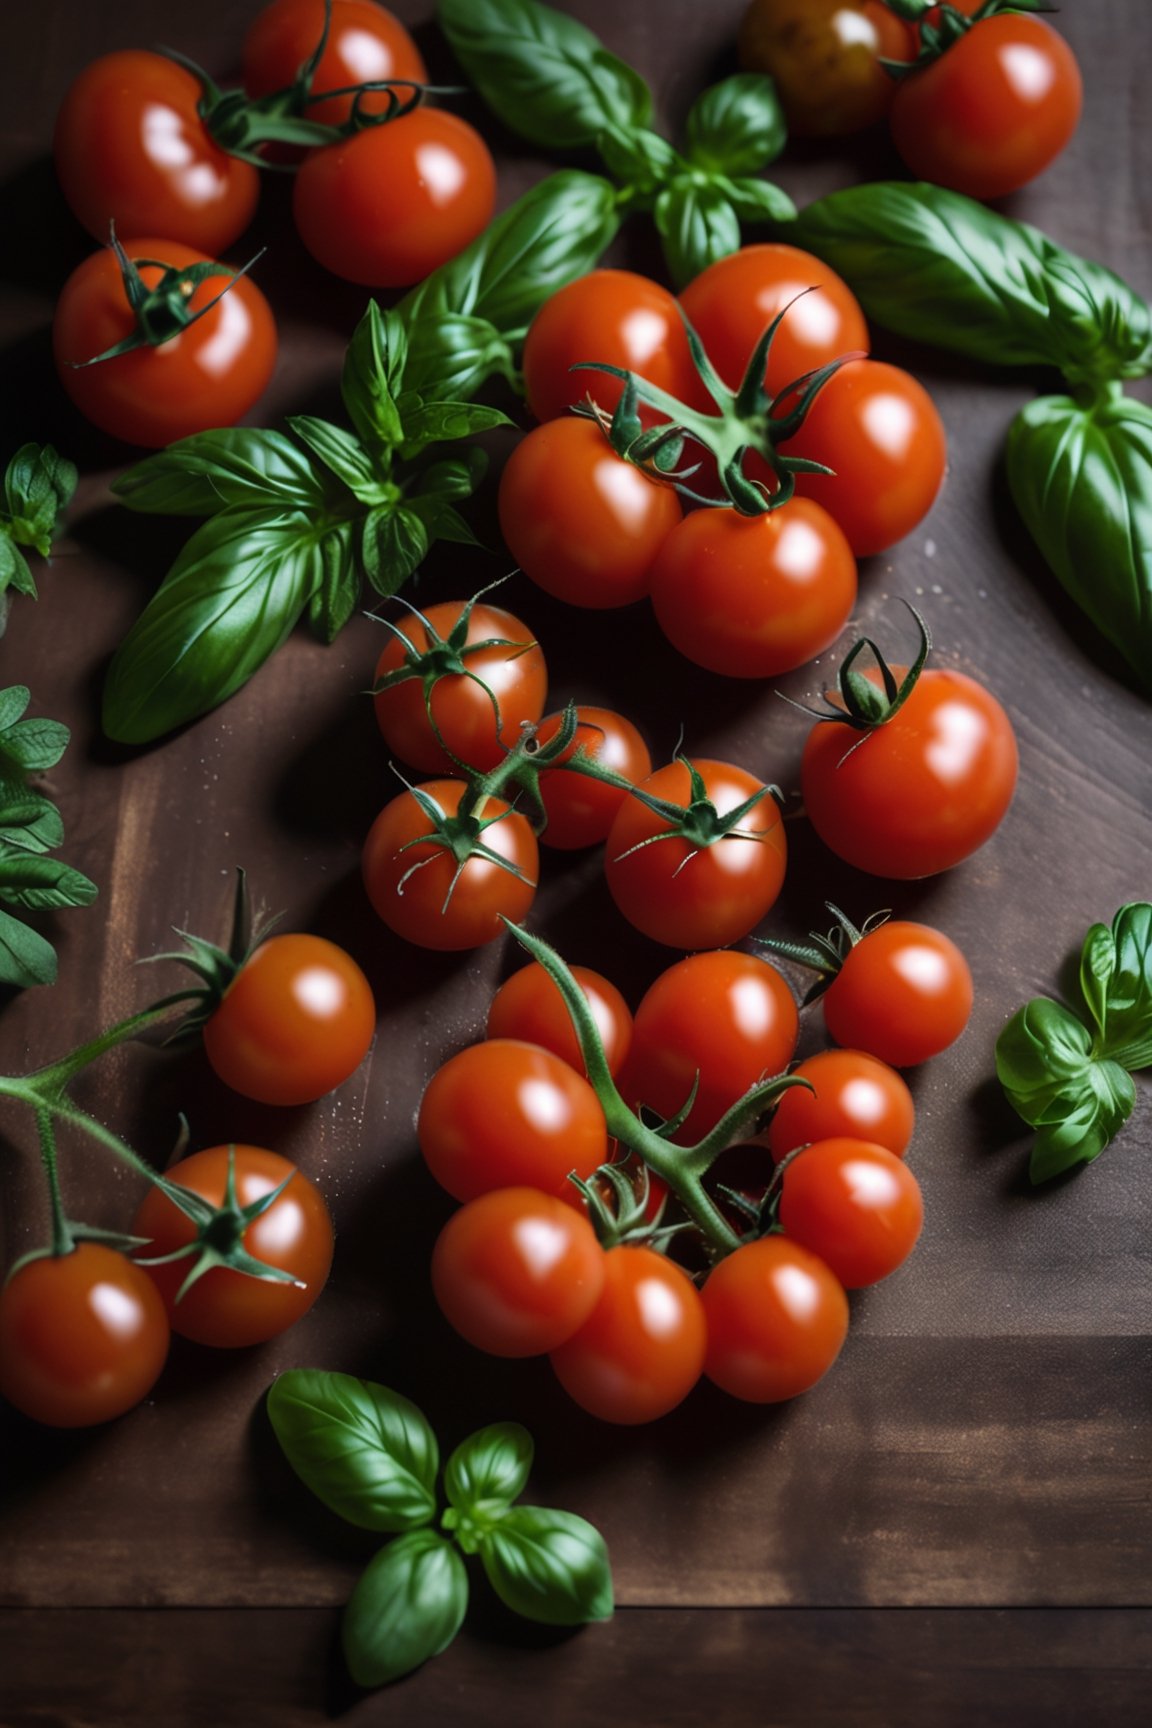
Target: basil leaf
<point>336,598</point>
<point>29,820</point>
<point>1046,1065</point>
<point>38,486</point>
<point>737,126</point>
<point>371,380</point>
<point>408,1605</point>
<point>490,1469</point>
<point>1082,481</point>
<point>41,884</point>
<point>228,602</point>
<point>30,746</point>
<point>640,160</point>
<point>1090,1125</point>
<point>1116,984</point>
<point>211,471</point>
<point>698,226</point>
<point>342,455</point>
<point>547,77</point>
<point>454,476</point>
<point>442,422</point>
<point>393,543</point>
<point>758,200</point>
<point>549,1566</point>
<point>365,1451</point>
<point>14,571</point>
<point>26,959</point>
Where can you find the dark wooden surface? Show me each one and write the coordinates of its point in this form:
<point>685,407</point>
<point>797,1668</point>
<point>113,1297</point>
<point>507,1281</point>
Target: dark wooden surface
<point>983,1442</point>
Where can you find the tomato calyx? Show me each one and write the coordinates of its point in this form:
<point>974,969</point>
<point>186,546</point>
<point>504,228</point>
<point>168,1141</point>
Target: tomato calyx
<point>618,1198</point>
<point>215,967</point>
<point>863,704</point>
<point>219,1238</point>
<point>460,834</point>
<point>942,26</point>
<point>825,953</point>
<point>698,822</point>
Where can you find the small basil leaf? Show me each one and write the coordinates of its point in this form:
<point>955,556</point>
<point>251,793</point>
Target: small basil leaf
<point>38,486</point>
<point>29,820</point>
<point>362,1449</point>
<point>1090,1125</point>
<point>31,746</point>
<point>407,1606</point>
<point>698,226</point>
<point>640,160</point>
<point>549,1566</point>
<point>490,1469</point>
<point>454,476</point>
<point>41,884</point>
<point>209,472</point>
<point>336,598</point>
<point>341,454</point>
<point>758,200</point>
<point>442,422</point>
<point>13,703</point>
<point>547,77</point>
<point>442,522</point>
<point>26,959</point>
<point>14,570</point>
<point>737,126</point>
<point>1116,983</point>
<point>1043,1056</point>
<point>393,543</point>
<point>372,377</point>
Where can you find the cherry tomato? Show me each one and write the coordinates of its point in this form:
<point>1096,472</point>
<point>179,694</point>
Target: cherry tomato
<point>208,375</point>
<point>824,57</point>
<point>612,316</point>
<point>420,891</point>
<point>777,1319</point>
<point>226,1308</point>
<point>365,45</point>
<point>921,792</point>
<point>130,148</point>
<point>504,1114</point>
<point>580,521</point>
<point>754,596</point>
<point>510,675</point>
<point>722,1020</point>
<point>691,896</point>
<point>83,1336</point>
<point>733,301</point>
<point>641,1350</point>
<point>295,1022</point>
<point>904,993</point>
<point>879,430</point>
<point>517,1272</point>
<point>856,1205</point>
<point>388,205</point>
<point>529,1006</point>
<point>993,111</point>
<point>580,809</point>
<point>854,1094</point>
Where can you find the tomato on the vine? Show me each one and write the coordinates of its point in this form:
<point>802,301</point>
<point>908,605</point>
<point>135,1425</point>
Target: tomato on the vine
<point>852,1093</point>
<point>83,1336</point>
<point>903,993</point>
<point>824,58</point>
<point>777,1319</point>
<point>294,1023</point>
<point>224,1307</point>
<point>580,808</point>
<point>131,149</point>
<point>529,1006</point>
<point>365,45</point>
<point>855,1204</point>
<point>386,206</point>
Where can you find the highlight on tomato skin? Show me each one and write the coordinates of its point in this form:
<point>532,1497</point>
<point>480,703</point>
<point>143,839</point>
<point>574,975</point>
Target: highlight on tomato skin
<point>855,1204</point>
<point>904,993</point>
<point>366,44</point>
<point>824,58</point>
<point>777,1319</point>
<point>528,1006</point>
<point>849,1092</point>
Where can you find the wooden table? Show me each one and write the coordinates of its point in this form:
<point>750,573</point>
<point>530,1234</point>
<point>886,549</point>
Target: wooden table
<point>982,1445</point>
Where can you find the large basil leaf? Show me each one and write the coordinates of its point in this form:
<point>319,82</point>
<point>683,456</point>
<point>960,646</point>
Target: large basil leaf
<point>549,1566</point>
<point>1082,481</point>
<point>1116,984</point>
<point>211,471</point>
<point>364,1450</point>
<point>26,958</point>
<point>28,879</point>
<point>546,75</point>
<point>737,126</point>
<point>697,225</point>
<point>490,1469</point>
<point>407,1606</point>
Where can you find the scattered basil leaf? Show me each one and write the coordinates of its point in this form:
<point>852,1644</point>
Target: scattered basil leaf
<point>549,1566</point>
<point>490,1469</point>
<point>698,225</point>
<point>407,1606</point>
<point>212,471</point>
<point>38,487</point>
<point>737,126</point>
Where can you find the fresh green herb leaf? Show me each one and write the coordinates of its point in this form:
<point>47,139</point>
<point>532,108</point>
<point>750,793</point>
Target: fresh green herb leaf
<point>1116,984</point>
<point>640,160</point>
<point>25,957</point>
<point>337,596</point>
<point>14,572</point>
<point>344,456</point>
<point>698,225</point>
<point>549,1566</point>
<point>408,1605</point>
<point>38,487</point>
<point>442,422</point>
<point>490,1469</point>
<point>41,884</point>
<point>372,378</point>
<point>213,471</point>
<point>394,542</point>
<point>758,200</point>
<point>737,126</point>
<point>29,820</point>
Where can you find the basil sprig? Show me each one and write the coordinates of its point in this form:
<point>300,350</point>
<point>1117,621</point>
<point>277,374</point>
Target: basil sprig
<point>1067,1070</point>
<point>37,488</point>
<point>371,1456</point>
<point>550,79</point>
<point>944,270</point>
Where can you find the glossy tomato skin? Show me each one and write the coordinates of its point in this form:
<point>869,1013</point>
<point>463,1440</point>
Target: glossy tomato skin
<point>517,1272</point>
<point>690,897</point>
<point>581,809</point>
<point>504,1114</point>
<point>732,303</point>
<point>131,149</point>
<point>923,791</point>
<point>295,1022</point>
<point>723,1020</point>
<point>366,45</point>
<point>904,993</point>
<point>852,1094</point>
<point>209,375</point>
<point>641,1350</point>
<point>229,1309</point>
<point>529,1006</point>
<point>856,1205</point>
<point>427,907</point>
<point>385,207</point>
<point>754,596</point>
<point>612,316</point>
<point>993,111</point>
<point>580,521</point>
<point>777,1319</point>
<point>515,676</point>
<point>83,1336</point>
<point>824,57</point>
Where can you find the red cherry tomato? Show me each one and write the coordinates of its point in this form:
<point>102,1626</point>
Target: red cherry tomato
<point>854,1204</point>
<point>130,148</point>
<point>993,111</point>
<point>580,521</point>
<point>510,675</point>
<point>83,1336</point>
<point>904,993</point>
<point>503,1114</point>
<point>226,1308</point>
<point>754,596</point>
<point>921,792</point>
<point>529,1006</point>
<point>777,1319</point>
<point>388,205</point>
<point>517,1272</point>
<point>365,45</point>
<point>420,891</point>
<point>208,375</point>
<point>580,809</point>
<point>641,1350</point>
<point>853,1094</point>
<point>824,58</point>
